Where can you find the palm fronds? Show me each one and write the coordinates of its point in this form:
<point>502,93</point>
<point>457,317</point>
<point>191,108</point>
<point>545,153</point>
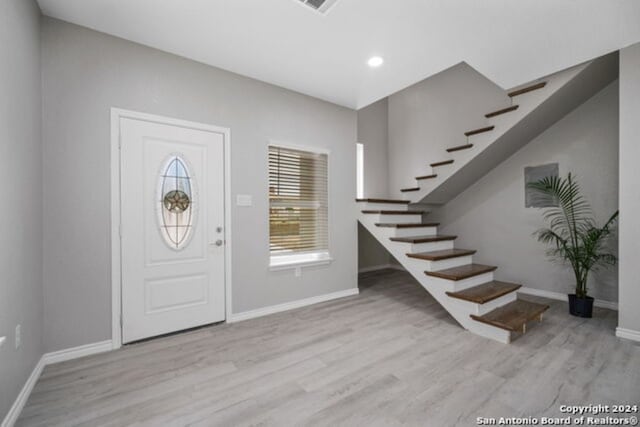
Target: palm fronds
<point>572,231</point>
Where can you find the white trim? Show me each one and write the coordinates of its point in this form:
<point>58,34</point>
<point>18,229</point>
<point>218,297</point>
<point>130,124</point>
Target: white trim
<point>15,410</point>
<point>77,352</point>
<point>563,297</point>
<point>299,147</point>
<point>292,265</point>
<point>359,170</point>
<point>293,261</point>
<point>116,267</point>
<point>629,334</point>
<point>49,359</point>
<point>265,311</point>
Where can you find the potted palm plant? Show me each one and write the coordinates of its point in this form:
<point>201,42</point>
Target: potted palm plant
<point>573,235</point>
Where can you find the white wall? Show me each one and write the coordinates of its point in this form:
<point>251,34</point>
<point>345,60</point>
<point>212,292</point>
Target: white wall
<point>373,133</point>
<point>85,73</point>
<point>629,314</point>
<point>21,212</point>
<point>430,116</point>
<point>490,215</point>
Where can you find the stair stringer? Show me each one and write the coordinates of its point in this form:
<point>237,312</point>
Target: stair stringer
<point>459,310</point>
<point>538,110</point>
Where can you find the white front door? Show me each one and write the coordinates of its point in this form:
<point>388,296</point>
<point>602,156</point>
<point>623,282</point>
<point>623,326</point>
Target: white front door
<point>172,236</point>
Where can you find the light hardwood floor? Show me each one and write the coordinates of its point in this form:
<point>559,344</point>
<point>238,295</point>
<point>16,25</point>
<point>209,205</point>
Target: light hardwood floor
<point>390,356</point>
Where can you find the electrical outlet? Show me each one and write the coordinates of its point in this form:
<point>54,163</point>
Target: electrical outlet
<point>298,272</point>
<point>18,336</point>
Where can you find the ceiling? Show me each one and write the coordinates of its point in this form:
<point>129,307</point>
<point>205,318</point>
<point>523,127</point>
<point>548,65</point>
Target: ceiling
<point>288,44</point>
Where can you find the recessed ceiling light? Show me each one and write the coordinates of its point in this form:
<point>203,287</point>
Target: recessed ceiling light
<point>375,61</point>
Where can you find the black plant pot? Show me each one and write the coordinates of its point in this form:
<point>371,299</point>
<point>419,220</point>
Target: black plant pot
<point>580,307</point>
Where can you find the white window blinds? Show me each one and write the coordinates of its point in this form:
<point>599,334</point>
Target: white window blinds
<point>298,205</point>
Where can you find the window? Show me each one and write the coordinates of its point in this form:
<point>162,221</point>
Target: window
<point>298,207</point>
<point>359,170</point>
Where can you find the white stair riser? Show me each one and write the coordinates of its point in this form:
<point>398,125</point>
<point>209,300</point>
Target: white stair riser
<point>415,231</point>
<point>431,246</point>
<point>449,263</point>
<point>489,331</point>
<point>363,206</point>
<point>389,232</point>
<point>483,139</point>
<point>460,285</point>
<point>482,309</point>
<point>427,265</point>
<point>438,170</point>
<point>395,219</point>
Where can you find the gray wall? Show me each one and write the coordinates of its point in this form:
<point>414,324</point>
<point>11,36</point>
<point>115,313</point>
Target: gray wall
<point>629,314</point>
<point>85,73</point>
<point>490,215</point>
<point>430,116</point>
<point>373,134</point>
<point>21,213</point>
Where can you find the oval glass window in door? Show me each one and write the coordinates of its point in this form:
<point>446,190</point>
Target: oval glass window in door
<point>176,210</point>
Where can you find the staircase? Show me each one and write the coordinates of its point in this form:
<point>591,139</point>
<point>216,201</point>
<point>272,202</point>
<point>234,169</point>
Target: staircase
<point>469,291</point>
<point>534,108</point>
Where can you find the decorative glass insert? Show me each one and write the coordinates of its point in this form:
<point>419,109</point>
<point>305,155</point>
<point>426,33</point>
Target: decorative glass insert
<point>175,200</point>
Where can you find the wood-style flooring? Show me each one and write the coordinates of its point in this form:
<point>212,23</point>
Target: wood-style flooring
<point>389,356</point>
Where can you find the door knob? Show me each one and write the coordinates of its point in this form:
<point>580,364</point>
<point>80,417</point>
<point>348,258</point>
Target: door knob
<point>218,242</point>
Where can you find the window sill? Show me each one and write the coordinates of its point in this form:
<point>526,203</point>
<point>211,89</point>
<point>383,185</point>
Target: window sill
<point>288,262</point>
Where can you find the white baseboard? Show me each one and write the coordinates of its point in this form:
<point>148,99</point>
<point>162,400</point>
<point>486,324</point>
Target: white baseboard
<point>563,297</point>
<point>252,314</point>
<point>13,414</point>
<point>48,359</point>
<point>381,267</point>
<point>629,334</point>
<point>76,352</point>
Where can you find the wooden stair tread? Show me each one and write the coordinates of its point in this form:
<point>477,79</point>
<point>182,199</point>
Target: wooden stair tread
<point>442,163</point>
<point>513,316</point>
<point>427,176</point>
<point>527,89</point>
<point>408,225</point>
<point>387,212</point>
<point>462,272</point>
<point>406,190</point>
<point>480,130</point>
<point>423,239</point>
<point>400,202</point>
<point>501,111</point>
<point>441,255</point>
<point>459,148</point>
<point>485,292</point>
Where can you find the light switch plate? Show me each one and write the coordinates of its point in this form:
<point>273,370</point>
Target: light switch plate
<point>2,340</point>
<point>244,200</point>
